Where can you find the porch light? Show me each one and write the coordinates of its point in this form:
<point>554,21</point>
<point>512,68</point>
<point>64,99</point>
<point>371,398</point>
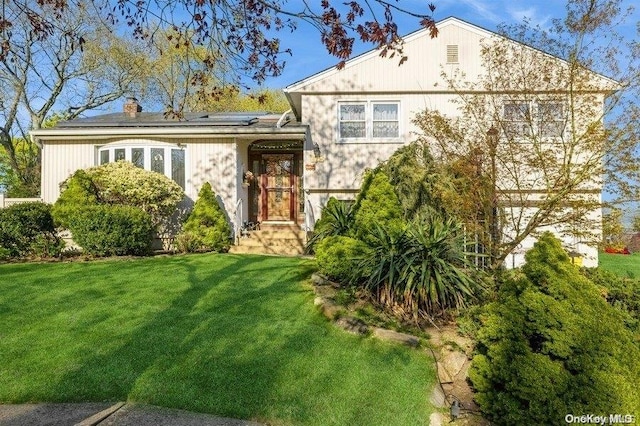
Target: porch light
<point>316,151</point>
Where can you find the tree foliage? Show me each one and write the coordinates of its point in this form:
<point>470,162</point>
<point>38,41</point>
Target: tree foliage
<point>75,64</point>
<point>551,345</point>
<point>243,35</point>
<point>535,124</point>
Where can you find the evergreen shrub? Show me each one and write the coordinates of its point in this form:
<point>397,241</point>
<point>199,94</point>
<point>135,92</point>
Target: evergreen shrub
<point>377,205</point>
<point>103,230</point>
<point>338,257</point>
<point>336,219</point>
<point>551,346</point>
<point>206,228</point>
<point>27,230</point>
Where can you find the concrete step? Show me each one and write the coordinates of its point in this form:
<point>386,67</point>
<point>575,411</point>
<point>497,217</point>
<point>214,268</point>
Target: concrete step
<point>276,250</point>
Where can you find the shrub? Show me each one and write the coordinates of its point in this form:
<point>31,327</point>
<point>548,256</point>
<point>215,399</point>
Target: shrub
<point>206,228</point>
<point>551,345</point>
<point>377,205</point>
<point>77,191</point>
<point>621,293</point>
<point>120,183</point>
<point>27,229</point>
<point>423,270</point>
<point>338,257</point>
<point>336,219</point>
<point>103,230</point>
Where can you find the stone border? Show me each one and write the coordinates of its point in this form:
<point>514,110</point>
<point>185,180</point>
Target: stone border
<point>451,355</point>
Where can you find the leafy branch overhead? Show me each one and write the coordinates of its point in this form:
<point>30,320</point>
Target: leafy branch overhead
<point>242,34</point>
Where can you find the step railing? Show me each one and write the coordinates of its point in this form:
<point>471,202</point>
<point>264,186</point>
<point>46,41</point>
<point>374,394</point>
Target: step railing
<point>237,227</point>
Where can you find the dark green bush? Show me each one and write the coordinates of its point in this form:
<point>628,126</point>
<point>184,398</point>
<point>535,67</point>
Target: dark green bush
<point>338,257</point>
<point>551,345</point>
<point>27,230</point>
<point>103,230</point>
<point>77,192</point>
<point>423,270</point>
<point>336,219</point>
<point>377,205</point>
<point>206,228</point>
<point>621,293</point>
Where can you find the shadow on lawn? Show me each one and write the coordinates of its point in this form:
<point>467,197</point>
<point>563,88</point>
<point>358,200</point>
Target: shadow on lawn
<point>220,347</point>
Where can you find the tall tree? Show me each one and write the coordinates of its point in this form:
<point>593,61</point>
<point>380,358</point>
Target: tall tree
<point>535,124</point>
<point>81,65</point>
<point>244,33</point>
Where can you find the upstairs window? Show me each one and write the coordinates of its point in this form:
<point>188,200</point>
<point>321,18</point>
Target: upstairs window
<point>368,121</point>
<point>162,159</point>
<point>545,119</point>
<point>551,119</point>
<point>517,118</point>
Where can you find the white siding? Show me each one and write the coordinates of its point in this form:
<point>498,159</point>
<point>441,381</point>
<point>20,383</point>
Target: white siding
<point>59,161</point>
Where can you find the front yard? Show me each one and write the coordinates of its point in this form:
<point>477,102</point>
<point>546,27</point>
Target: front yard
<point>231,335</point>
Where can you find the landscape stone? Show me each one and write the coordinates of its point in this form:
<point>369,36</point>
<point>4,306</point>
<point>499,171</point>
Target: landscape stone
<point>394,336</point>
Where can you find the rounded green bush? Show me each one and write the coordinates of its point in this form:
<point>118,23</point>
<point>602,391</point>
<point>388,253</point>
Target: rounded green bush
<point>27,229</point>
<point>103,230</point>
<point>338,257</point>
<point>551,345</point>
<point>206,228</point>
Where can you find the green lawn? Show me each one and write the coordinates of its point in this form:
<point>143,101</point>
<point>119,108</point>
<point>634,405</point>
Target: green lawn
<point>232,335</point>
<point>621,264</point>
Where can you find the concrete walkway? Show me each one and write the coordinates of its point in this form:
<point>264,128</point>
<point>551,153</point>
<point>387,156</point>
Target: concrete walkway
<point>107,414</point>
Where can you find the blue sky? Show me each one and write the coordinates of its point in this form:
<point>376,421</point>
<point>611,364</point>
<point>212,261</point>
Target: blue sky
<point>309,56</point>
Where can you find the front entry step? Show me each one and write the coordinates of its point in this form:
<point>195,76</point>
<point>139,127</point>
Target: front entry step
<point>284,240</point>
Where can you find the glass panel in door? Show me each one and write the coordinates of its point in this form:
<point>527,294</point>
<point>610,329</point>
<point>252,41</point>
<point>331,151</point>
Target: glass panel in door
<point>277,186</point>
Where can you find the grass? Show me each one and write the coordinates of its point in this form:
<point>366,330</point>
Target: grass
<point>624,265</point>
<point>231,335</point>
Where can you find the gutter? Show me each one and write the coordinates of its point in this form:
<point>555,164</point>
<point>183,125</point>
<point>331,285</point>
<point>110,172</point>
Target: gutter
<point>289,132</point>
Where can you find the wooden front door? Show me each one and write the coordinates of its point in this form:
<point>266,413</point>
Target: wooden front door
<point>278,187</point>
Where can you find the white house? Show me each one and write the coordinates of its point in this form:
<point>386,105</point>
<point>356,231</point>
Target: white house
<point>341,123</point>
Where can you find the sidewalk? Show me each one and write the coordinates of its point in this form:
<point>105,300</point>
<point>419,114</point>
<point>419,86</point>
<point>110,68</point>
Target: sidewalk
<point>107,414</point>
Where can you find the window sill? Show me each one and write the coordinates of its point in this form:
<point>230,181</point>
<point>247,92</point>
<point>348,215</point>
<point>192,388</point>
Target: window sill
<point>370,141</point>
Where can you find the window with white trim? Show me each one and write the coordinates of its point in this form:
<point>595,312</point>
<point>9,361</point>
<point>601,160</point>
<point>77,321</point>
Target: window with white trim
<point>167,160</point>
<point>551,119</point>
<point>541,118</point>
<point>369,120</point>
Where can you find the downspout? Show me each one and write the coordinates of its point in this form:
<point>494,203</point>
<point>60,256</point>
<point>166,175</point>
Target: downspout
<point>283,117</point>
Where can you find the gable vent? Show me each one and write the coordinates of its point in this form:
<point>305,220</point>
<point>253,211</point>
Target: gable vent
<point>452,53</point>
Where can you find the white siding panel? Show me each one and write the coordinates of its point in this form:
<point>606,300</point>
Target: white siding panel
<point>59,161</point>
<point>213,161</point>
<point>427,59</point>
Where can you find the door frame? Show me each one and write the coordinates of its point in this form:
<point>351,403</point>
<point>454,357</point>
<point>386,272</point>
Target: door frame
<point>256,193</point>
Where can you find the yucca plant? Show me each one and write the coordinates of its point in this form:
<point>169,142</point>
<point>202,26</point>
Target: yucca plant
<point>336,220</point>
<point>424,270</point>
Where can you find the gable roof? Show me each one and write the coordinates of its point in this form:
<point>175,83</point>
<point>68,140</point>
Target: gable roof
<point>368,73</point>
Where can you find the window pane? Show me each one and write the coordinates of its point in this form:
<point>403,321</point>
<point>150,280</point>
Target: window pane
<point>177,166</point>
<point>137,157</point>
<point>352,112</point>
<point>385,129</point>
<point>157,160</point>
<point>516,111</point>
<point>104,156</point>
<point>385,112</point>
<point>119,154</point>
<point>551,119</point>
<point>353,130</point>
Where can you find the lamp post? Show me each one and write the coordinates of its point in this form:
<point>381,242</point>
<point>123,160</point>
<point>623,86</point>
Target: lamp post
<point>492,142</point>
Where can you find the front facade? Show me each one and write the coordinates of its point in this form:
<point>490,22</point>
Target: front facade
<point>252,161</point>
<point>283,169</point>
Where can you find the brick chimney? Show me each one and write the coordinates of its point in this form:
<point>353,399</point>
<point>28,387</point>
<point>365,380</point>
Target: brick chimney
<point>132,107</point>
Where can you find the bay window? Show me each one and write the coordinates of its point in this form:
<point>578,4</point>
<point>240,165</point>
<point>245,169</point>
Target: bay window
<point>167,160</point>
